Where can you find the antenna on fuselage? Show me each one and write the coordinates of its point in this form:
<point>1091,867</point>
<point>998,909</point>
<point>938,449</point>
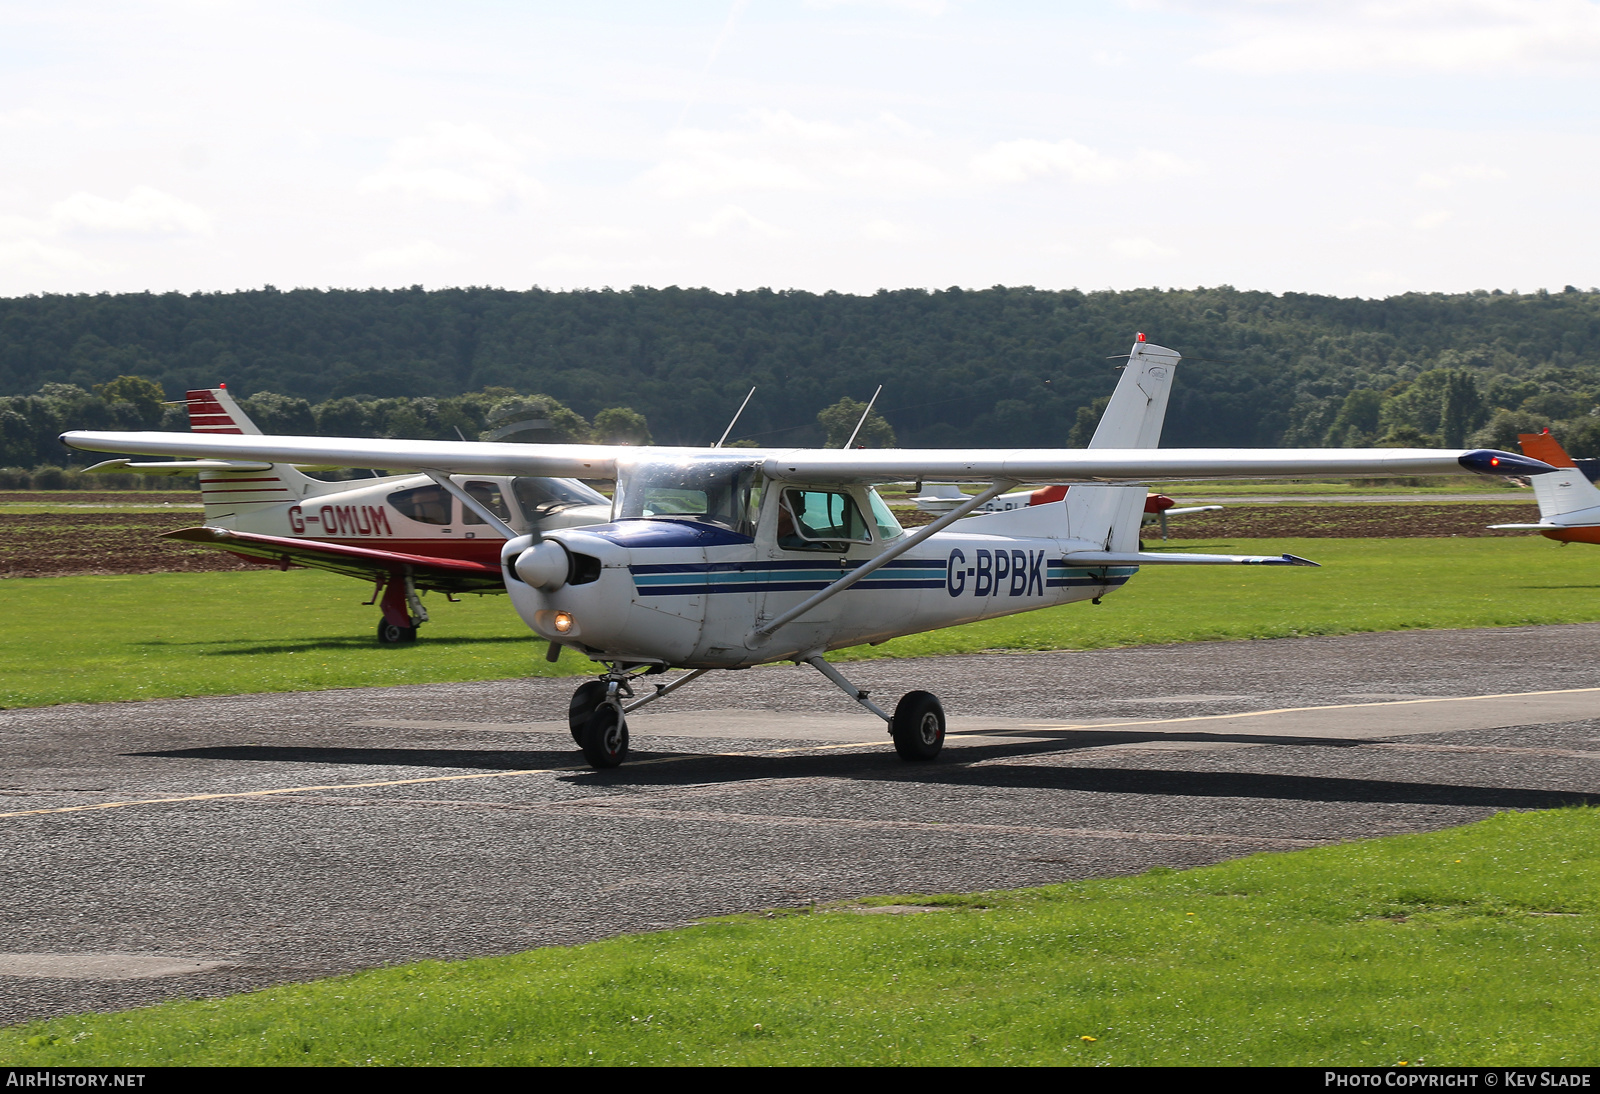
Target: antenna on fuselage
<point>731,424</point>
<point>864,414</point>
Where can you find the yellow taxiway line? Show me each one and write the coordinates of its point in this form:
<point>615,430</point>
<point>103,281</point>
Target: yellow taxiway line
<point>411,782</point>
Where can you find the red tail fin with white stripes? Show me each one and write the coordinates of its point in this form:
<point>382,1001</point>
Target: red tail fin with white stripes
<point>212,410</point>
<point>226,493</point>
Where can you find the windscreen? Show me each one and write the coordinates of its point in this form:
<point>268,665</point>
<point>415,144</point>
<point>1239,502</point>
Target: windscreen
<point>709,491</point>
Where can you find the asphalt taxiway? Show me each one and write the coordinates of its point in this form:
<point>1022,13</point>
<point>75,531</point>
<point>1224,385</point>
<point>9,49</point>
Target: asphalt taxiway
<point>194,847</point>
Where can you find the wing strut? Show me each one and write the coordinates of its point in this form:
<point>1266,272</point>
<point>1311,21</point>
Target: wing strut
<point>764,631</point>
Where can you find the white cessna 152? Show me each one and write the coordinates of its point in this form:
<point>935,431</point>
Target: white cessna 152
<point>724,559</point>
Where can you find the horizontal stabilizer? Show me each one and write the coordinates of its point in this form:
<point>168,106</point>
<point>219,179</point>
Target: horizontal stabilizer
<point>451,574</point>
<point>1172,558</point>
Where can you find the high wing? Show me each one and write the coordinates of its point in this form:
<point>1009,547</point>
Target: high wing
<point>1044,465</point>
<point>445,574</point>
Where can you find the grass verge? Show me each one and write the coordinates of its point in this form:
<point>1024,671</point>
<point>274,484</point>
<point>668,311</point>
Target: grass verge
<point>1363,585</point>
<point>1471,946</point>
<point>146,636</point>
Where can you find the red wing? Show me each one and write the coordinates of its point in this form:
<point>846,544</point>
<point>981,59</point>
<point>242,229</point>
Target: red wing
<point>429,572</point>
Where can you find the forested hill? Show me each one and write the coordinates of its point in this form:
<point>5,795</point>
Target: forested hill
<point>997,367</point>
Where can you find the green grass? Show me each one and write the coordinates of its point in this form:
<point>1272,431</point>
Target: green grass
<point>146,636</point>
<point>94,639</point>
<point>1471,946</point>
<point>1363,585</point>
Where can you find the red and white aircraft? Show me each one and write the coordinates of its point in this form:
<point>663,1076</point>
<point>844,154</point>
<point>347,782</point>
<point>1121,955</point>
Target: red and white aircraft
<point>406,534</point>
<point>1569,504</point>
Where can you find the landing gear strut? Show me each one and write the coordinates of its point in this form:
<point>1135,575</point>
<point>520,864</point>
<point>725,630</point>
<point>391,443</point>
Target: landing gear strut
<point>598,712</point>
<point>402,608</point>
<point>917,724</point>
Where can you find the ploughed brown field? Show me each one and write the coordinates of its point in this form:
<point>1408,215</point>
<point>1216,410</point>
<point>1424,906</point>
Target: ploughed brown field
<point>57,544</point>
<point>102,497</point>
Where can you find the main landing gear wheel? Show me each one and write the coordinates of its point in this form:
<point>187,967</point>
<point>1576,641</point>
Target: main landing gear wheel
<point>918,726</point>
<point>393,634</point>
<point>585,701</point>
<point>604,737</point>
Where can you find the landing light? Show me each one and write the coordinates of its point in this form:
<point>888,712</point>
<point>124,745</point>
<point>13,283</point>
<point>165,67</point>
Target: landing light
<point>563,622</point>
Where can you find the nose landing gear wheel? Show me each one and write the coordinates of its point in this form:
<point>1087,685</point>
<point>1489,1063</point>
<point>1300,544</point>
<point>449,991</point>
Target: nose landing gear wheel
<point>392,634</point>
<point>604,738</point>
<point>918,726</point>
<point>585,701</point>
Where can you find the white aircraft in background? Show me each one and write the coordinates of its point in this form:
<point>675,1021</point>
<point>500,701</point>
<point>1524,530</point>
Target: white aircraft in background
<point>727,558</point>
<point>941,497</point>
<point>1569,504</point>
<point>407,534</point>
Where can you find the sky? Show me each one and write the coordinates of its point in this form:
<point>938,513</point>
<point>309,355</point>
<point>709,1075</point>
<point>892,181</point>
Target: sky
<point>1325,146</point>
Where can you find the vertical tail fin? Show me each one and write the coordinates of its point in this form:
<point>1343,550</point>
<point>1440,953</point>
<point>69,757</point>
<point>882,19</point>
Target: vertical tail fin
<point>1133,419</point>
<point>212,410</point>
<point>1138,407</point>
<point>1564,493</point>
<point>229,493</point>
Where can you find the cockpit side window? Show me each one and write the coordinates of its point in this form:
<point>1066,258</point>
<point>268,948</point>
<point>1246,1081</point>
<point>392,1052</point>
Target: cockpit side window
<point>888,527</point>
<point>425,504</point>
<point>486,494</point>
<point>819,520</point>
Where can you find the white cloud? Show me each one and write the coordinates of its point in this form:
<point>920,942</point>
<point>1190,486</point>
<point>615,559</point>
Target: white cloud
<point>422,254</point>
<point>720,173</point>
<point>145,211</point>
<point>455,163</point>
<point>30,256</point>
<point>1020,160</point>
<point>778,151</point>
<point>1432,219</point>
<point>1447,177</point>
<point>1294,36</point>
<point>915,7</point>
<point>1140,247</point>
<point>736,220</point>
<point>888,231</point>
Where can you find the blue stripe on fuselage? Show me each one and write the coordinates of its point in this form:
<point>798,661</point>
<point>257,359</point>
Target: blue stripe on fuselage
<point>696,578</point>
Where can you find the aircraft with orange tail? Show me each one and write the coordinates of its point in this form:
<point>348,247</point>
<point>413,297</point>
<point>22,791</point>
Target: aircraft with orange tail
<point>1569,504</point>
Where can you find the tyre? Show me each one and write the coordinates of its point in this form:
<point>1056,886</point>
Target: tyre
<point>918,726</point>
<point>392,634</point>
<point>604,738</point>
<point>585,701</point>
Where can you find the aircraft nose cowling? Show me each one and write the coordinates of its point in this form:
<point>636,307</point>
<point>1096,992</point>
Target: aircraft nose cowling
<point>545,565</point>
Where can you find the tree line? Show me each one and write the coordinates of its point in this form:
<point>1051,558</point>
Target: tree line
<point>996,367</point>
